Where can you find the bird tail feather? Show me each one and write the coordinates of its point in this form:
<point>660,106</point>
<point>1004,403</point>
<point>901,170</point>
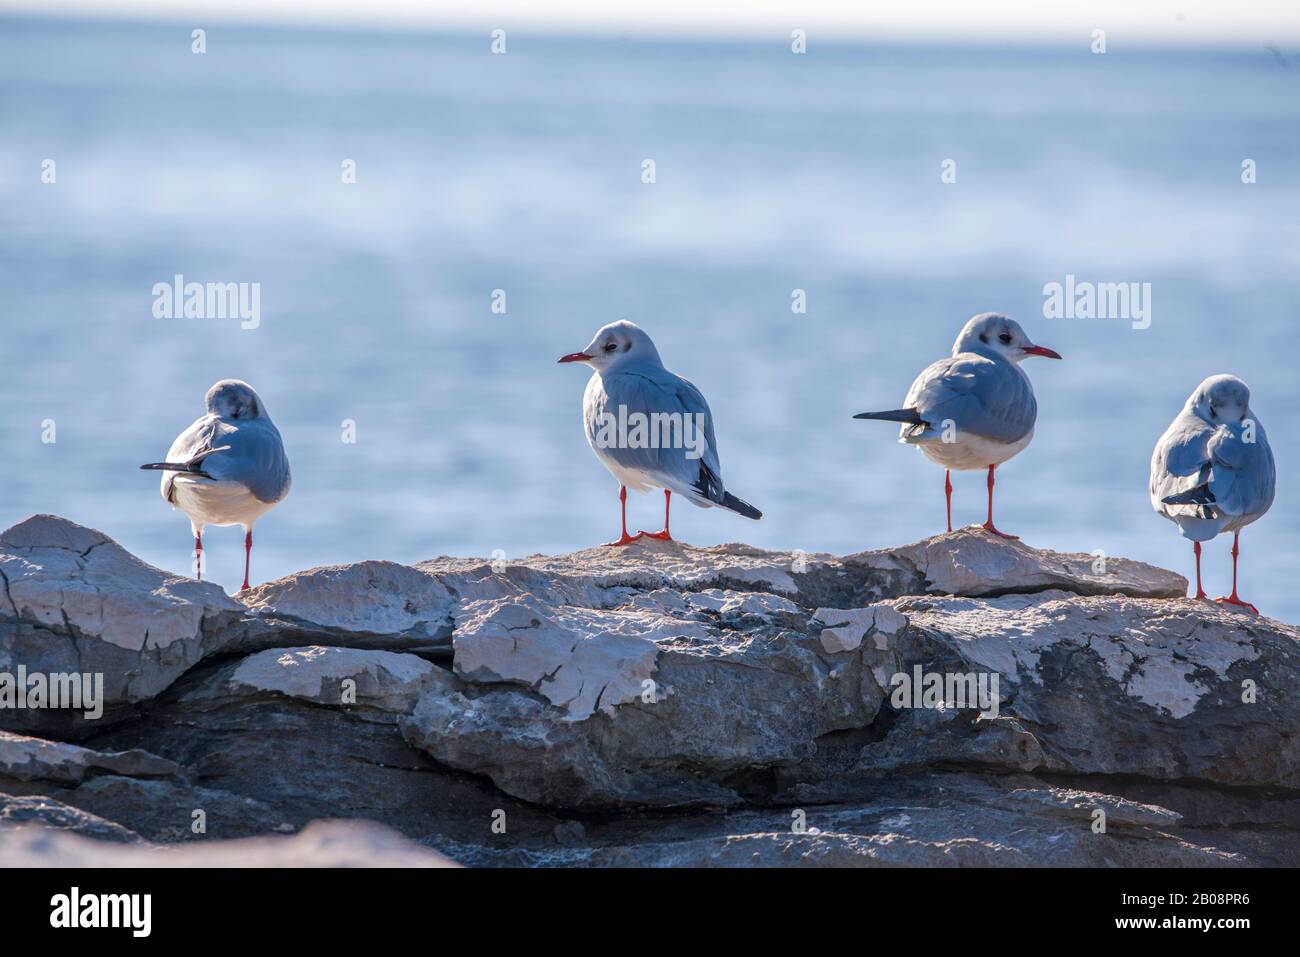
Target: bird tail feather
<point>739,506</point>
<point>1200,495</point>
<point>910,416</point>
<point>191,467</point>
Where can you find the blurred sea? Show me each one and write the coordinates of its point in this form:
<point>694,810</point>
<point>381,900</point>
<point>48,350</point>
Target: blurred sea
<point>522,172</point>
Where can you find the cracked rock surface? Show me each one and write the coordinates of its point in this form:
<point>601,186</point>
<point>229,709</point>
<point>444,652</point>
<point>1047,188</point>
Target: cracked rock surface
<point>657,704</point>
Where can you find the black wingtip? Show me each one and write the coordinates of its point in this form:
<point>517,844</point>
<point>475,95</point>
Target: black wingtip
<point>740,506</point>
<point>1201,495</point>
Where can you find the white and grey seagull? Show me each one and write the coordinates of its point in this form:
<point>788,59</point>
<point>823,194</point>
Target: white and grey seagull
<point>650,427</point>
<point>228,468</point>
<point>975,409</point>
<point>1212,471</point>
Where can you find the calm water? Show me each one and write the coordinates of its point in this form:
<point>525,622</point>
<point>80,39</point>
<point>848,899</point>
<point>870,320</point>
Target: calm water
<point>522,172</point>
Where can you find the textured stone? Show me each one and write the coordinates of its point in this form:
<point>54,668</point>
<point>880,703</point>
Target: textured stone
<point>324,844</point>
<point>32,759</point>
<point>972,562</point>
<point>387,680</point>
<point>753,686</point>
<point>77,602</point>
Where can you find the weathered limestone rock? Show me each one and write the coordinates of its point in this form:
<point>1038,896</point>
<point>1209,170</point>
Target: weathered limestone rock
<point>1165,690</point>
<point>381,599</point>
<point>657,703</point>
<point>24,758</point>
<point>579,659</point>
<point>845,628</point>
<point>661,677</point>
<point>366,604</point>
<point>77,602</point>
<point>386,680</point>
<point>971,562</point>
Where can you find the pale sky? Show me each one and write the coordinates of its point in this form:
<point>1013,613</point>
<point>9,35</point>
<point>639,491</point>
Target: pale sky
<point>1126,22</point>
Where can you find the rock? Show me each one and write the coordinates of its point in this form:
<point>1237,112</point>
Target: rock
<point>42,816</point>
<point>845,628</point>
<point>324,844</point>
<point>570,833</point>
<point>381,679</point>
<point>76,602</point>
<point>268,759</point>
<point>367,604</point>
<point>1164,690</point>
<point>31,759</point>
<point>589,731</point>
<point>1085,804</point>
<point>929,820</point>
<point>579,659</point>
<point>370,600</point>
<point>971,562</point>
<point>663,704</point>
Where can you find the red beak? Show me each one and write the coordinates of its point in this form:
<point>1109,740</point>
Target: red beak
<point>1043,351</point>
<point>575,357</point>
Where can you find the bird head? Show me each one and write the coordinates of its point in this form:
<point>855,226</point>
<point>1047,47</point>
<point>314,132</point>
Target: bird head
<point>992,333</point>
<point>615,346</point>
<point>233,399</point>
<point>1221,400</point>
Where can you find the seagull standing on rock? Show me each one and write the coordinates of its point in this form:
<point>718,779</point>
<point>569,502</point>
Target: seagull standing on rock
<point>1212,471</point>
<point>650,427</point>
<point>976,409</point>
<point>228,468</point>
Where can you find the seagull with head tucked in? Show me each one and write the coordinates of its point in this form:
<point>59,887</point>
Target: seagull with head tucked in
<point>976,409</point>
<point>650,427</point>
<point>1212,471</point>
<point>228,468</point>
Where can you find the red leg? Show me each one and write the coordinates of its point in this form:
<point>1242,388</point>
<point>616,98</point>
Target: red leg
<point>1233,599</point>
<point>1196,550</point>
<point>625,538</point>
<point>947,492</point>
<point>663,536</point>
<point>248,552</point>
<point>989,526</point>
<point>198,555</point>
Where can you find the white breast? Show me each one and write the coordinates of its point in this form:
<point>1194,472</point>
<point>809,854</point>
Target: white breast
<point>969,452</point>
<point>218,503</point>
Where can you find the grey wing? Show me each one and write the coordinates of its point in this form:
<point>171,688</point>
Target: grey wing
<point>1180,462</point>
<point>201,437</point>
<point>985,398</point>
<point>1242,472</point>
<point>674,464</point>
<point>255,457</point>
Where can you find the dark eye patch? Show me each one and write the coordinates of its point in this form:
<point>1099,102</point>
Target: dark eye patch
<point>984,337</point>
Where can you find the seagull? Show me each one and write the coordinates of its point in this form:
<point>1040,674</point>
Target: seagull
<point>1212,471</point>
<point>650,427</point>
<point>228,468</point>
<point>976,409</point>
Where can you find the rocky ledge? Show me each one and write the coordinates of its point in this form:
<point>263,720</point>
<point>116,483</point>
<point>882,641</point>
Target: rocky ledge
<point>965,700</point>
